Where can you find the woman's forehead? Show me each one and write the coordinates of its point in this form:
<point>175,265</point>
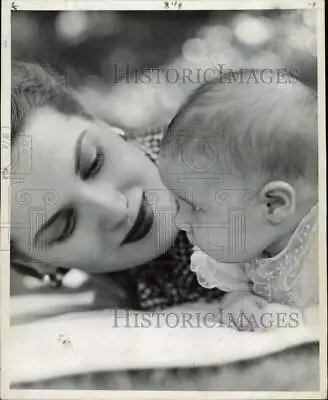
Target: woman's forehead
<point>52,129</point>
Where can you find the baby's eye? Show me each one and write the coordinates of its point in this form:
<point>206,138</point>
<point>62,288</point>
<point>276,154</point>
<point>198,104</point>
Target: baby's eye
<point>177,203</point>
<point>197,211</point>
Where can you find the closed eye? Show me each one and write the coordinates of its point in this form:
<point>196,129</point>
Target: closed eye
<point>190,204</point>
<point>177,203</point>
<point>96,164</point>
<point>58,228</point>
<point>89,156</point>
<point>69,219</point>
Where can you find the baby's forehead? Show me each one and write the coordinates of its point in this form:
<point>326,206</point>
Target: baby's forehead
<point>196,156</point>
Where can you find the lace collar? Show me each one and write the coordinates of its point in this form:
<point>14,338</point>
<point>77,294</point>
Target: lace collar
<point>293,253</point>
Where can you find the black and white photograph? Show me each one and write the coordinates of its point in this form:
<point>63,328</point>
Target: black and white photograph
<point>163,200</point>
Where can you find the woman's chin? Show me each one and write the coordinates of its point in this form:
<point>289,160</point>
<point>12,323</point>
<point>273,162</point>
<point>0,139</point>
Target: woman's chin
<point>134,253</point>
<point>156,242</point>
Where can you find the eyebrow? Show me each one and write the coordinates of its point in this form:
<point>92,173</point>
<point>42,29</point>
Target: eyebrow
<point>77,152</point>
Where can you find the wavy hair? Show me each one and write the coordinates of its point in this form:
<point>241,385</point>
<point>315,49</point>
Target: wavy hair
<point>32,87</point>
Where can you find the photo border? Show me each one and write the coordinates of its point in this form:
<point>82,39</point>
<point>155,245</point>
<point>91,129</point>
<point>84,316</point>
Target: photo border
<point>158,5</point>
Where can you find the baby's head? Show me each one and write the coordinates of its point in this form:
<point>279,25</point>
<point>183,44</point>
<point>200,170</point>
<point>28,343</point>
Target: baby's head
<point>241,156</point>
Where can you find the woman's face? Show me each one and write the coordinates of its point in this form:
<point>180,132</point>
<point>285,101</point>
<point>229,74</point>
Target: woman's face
<point>90,200</point>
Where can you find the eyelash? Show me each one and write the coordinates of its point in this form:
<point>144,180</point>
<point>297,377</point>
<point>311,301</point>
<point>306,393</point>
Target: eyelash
<point>70,220</point>
<point>70,224</point>
<point>195,209</point>
<point>96,164</point>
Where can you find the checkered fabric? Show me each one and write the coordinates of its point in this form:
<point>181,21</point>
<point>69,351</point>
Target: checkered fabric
<point>167,280</point>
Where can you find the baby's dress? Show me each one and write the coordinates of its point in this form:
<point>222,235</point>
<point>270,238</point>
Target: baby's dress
<point>290,278</point>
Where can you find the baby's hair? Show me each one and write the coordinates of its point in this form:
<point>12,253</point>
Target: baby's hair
<point>268,119</point>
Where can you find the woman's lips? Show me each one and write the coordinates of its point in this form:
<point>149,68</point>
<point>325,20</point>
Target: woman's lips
<point>143,222</point>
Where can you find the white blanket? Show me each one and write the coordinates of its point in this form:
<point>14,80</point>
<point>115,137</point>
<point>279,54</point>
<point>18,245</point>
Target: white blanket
<point>94,341</point>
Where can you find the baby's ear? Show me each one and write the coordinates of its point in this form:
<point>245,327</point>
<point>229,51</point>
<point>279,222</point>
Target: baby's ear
<point>278,201</point>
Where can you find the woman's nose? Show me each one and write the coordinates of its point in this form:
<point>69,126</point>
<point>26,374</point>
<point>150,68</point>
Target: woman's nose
<point>110,208</point>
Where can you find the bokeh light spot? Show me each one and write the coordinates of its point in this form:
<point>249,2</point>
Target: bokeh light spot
<point>71,26</point>
<point>194,49</point>
<point>252,31</point>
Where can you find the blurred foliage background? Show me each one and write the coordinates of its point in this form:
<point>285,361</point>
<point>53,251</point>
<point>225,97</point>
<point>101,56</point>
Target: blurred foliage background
<point>92,48</point>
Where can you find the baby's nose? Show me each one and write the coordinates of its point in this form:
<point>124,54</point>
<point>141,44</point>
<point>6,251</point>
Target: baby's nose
<point>183,226</point>
<point>183,219</point>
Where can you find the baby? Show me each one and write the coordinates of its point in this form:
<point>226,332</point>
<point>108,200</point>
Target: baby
<point>241,156</point>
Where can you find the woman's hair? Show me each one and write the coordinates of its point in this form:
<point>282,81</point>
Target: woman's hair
<point>34,87</point>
